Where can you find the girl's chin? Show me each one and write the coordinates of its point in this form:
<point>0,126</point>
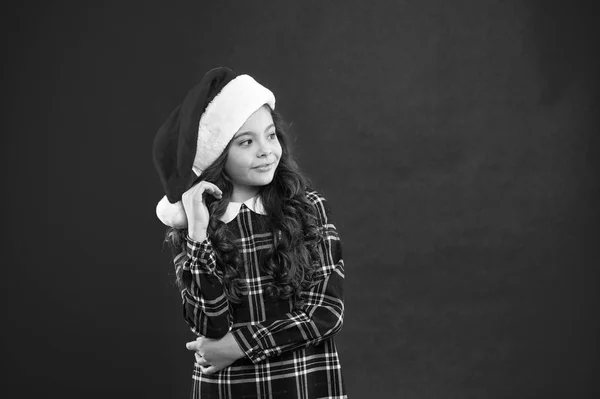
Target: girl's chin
<point>256,181</point>
<point>263,181</point>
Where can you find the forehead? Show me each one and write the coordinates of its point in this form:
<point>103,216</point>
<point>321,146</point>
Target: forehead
<point>258,121</point>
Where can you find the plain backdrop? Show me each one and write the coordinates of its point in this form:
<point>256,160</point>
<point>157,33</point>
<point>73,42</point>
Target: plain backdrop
<point>456,141</point>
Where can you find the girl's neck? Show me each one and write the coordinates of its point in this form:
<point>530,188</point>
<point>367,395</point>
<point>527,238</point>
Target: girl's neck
<point>243,193</point>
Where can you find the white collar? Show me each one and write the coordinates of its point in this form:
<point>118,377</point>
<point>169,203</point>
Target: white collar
<point>255,204</point>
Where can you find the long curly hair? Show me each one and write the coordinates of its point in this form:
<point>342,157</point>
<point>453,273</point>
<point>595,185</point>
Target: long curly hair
<point>292,219</point>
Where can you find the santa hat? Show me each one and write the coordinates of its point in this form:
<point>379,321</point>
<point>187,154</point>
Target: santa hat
<point>198,131</point>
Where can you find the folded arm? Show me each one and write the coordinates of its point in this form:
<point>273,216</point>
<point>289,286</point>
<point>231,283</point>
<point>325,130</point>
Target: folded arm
<point>319,318</point>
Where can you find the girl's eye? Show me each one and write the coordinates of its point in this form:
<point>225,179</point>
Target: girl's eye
<point>245,143</point>
<point>273,135</point>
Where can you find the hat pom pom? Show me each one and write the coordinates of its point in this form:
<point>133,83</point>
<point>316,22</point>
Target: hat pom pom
<point>171,214</point>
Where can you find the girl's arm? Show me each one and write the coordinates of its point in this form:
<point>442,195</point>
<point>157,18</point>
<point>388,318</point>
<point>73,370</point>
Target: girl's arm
<point>205,307</point>
<point>322,314</point>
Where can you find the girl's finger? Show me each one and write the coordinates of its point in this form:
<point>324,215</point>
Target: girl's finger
<point>208,369</point>
<point>200,360</point>
<point>192,346</point>
<point>211,188</point>
<point>215,192</point>
<point>196,193</point>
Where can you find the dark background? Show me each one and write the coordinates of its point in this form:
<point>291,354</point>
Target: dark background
<point>457,143</point>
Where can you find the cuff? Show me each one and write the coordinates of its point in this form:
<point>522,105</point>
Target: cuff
<point>249,344</point>
<point>195,249</point>
<point>201,254</point>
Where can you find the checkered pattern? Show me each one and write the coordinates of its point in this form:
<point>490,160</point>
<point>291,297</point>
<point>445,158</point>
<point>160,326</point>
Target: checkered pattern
<point>290,353</point>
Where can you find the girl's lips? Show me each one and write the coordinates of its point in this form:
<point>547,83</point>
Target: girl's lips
<point>264,167</point>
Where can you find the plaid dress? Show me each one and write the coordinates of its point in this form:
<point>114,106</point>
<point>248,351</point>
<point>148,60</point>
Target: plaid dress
<point>290,353</point>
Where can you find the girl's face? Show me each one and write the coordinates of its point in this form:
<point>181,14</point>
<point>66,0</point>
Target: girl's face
<point>253,154</point>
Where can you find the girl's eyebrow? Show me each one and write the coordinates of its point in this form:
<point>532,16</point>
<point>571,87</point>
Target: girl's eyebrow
<point>249,133</point>
<point>237,136</point>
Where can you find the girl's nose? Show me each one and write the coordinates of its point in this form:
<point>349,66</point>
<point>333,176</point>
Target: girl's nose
<point>264,150</point>
<point>264,153</point>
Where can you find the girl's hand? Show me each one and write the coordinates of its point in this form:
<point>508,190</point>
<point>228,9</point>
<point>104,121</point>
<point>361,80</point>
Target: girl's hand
<point>196,210</point>
<point>215,354</point>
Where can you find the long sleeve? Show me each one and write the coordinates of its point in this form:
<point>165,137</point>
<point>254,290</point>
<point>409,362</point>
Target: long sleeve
<point>318,319</point>
<point>205,306</point>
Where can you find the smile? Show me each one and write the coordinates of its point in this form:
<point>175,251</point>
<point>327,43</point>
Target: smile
<point>264,167</point>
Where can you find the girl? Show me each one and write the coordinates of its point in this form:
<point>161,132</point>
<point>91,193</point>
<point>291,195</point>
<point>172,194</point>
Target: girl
<point>257,258</point>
